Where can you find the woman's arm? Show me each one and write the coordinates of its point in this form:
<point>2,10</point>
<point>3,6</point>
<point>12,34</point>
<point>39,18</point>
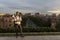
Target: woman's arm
<point>12,19</point>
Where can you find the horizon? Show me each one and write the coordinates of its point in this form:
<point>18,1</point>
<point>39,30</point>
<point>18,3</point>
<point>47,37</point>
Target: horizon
<point>25,6</point>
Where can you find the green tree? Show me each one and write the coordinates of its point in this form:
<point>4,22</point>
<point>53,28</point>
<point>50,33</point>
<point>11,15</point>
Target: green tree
<point>58,26</point>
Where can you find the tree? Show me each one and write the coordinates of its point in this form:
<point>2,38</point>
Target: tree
<point>58,26</point>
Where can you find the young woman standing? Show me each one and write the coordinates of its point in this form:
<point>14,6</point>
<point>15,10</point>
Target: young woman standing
<point>17,22</point>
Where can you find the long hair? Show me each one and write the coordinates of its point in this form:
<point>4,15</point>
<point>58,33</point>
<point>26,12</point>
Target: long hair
<point>20,14</point>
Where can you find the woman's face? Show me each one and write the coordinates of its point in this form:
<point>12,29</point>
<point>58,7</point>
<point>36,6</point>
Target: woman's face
<point>17,14</point>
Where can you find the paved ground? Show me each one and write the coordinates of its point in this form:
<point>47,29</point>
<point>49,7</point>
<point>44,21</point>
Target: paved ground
<point>32,38</point>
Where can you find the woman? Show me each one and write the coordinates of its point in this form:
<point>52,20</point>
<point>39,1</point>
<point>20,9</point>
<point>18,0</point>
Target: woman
<point>17,22</point>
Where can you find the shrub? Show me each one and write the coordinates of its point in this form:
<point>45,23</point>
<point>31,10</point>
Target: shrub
<point>29,29</point>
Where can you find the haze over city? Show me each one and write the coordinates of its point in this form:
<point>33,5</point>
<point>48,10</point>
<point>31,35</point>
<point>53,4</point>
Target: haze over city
<point>43,6</point>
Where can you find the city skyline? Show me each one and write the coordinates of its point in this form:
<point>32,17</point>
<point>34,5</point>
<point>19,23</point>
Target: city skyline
<point>29,5</point>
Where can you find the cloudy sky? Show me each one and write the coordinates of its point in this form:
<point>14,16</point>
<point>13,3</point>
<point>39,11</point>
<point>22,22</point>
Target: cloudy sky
<point>29,5</point>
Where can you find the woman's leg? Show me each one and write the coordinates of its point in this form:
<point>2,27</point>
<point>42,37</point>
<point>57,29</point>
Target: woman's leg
<point>16,29</point>
<point>20,28</point>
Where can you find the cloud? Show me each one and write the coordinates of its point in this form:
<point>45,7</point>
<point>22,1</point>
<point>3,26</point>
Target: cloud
<point>30,5</point>
<point>2,5</point>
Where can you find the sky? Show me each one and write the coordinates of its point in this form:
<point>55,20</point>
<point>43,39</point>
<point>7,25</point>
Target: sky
<point>24,6</point>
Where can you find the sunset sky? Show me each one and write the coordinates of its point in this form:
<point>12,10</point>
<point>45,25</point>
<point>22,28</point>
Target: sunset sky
<point>29,5</point>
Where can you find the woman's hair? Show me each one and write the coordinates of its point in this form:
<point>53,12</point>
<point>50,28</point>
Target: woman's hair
<point>20,14</point>
<point>17,13</point>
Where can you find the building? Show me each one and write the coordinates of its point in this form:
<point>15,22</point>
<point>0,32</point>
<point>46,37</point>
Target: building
<point>28,14</point>
<point>37,14</point>
<point>5,21</point>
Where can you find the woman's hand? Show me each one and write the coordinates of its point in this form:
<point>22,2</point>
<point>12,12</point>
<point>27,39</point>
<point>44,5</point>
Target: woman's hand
<point>12,19</point>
